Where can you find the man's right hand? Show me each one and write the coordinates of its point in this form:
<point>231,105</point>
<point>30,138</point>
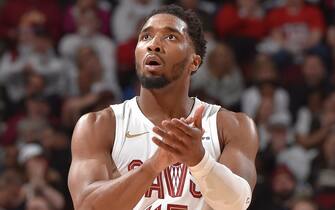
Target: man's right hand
<point>161,160</point>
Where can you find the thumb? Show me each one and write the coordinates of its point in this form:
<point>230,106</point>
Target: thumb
<point>188,120</point>
<point>198,116</point>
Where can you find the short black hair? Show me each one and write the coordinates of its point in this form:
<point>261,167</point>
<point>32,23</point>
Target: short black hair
<point>194,25</point>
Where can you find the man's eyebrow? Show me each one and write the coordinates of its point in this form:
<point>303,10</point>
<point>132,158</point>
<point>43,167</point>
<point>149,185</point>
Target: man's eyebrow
<point>167,28</point>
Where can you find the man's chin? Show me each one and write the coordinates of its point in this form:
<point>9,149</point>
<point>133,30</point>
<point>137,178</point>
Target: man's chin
<point>153,82</point>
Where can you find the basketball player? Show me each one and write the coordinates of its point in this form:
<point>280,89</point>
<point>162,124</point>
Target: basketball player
<point>164,150</point>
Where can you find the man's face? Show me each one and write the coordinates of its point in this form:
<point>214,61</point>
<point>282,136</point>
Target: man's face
<point>163,52</point>
<point>283,186</point>
<point>313,69</point>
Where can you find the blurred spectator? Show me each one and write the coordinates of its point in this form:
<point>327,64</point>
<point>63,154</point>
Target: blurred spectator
<point>12,11</point>
<point>88,76</point>
<point>34,55</point>
<point>275,142</point>
<point>45,62</point>
<point>57,145</point>
<point>9,158</point>
<point>75,107</point>
<point>283,188</point>
<point>298,160</point>
<point>126,63</point>
<point>204,9</point>
<point>27,125</point>
<point>323,173</point>
<point>11,185</point>
<point>244,19</point>
<point>242,24</point>
<point>220,80</point>
<point>308,127</point>
<point>265,96</point>
<point>88,35</point>
<point>14,62</point>
<point>38,203</point>
<point>314,123</point>
<point>313,78</point>
<point>30,128</point>
<point>293,28</point>
<point>330,40</point>
<point>280,149</point>
<point>40,176</point>
<point>130,13</point>
<point>89,88</point>
<point>72,15</point>
<point>304,204</point>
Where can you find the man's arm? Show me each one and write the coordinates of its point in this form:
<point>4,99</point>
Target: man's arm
<point>226,184</point>
<point>239,135</point>
<point>91,182</point>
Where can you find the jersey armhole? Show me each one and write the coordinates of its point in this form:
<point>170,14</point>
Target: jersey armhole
<point>214,130</point>
<point>117,109</point>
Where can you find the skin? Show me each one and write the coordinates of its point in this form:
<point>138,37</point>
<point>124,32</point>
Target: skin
<point>165,36</point>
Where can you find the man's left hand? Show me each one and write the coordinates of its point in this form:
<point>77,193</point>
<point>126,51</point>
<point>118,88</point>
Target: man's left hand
<point>182,138</point>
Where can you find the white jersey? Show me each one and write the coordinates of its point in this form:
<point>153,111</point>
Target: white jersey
<point>174,188</point>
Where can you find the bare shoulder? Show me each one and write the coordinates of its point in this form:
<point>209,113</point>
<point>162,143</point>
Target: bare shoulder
<point>100,119</point>
<point>94,131</point>
<point>92,141</point>
<point>237,127</point>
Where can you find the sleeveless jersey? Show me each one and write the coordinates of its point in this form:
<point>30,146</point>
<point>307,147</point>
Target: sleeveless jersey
<point>174,188</point>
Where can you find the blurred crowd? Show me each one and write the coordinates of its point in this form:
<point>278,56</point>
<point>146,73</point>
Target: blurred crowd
<point>272,59</point>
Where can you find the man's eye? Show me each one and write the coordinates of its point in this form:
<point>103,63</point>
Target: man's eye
<point>171,37</point>
<point>145,37</point>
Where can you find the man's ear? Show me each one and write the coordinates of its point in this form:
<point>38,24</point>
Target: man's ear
<point>196,61</point>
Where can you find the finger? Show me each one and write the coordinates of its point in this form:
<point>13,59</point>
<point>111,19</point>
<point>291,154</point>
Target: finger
<point>162,133</point>
<point>183,126</point>
<point>164,146</point>
<point>177,132</point>
<point>198,117</point>
<point>169,138</point>
<point>189,120</point>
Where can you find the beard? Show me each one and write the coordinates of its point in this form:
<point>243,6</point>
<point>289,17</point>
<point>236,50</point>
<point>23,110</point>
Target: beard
<point>161,81</point>
<point>153,82</point>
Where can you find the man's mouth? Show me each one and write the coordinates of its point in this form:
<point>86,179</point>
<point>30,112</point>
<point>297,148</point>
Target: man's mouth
<point>153,62</point>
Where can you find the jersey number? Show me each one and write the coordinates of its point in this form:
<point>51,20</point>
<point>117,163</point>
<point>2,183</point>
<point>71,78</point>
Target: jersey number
<point>171,207</point>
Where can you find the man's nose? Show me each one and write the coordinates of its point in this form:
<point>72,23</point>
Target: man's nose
<point>154,46</point>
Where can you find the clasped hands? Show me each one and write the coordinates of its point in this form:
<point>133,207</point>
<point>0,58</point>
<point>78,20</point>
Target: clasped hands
<point>181,140</point>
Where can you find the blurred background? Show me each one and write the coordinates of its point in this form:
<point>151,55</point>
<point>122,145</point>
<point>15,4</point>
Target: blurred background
<point>272,59</point>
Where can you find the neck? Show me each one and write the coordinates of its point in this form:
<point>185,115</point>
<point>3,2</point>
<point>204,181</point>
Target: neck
<point>165,103</point>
